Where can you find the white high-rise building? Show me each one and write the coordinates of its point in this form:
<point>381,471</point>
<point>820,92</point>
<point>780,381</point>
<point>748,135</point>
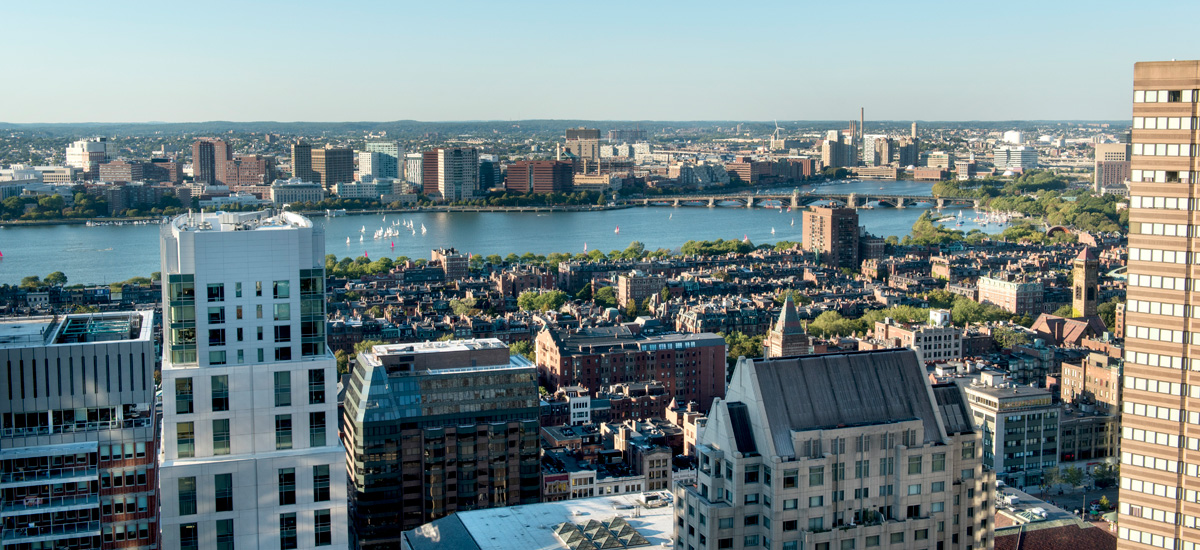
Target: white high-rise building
<point>87,155</point>
<point>387,165</point>
<point>370,163</point>
<point>250,456</point>
<point>412,168</point>
<point>1008,157</point>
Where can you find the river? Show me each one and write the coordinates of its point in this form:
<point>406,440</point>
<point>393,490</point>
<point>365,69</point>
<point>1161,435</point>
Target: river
<point>108,254</point>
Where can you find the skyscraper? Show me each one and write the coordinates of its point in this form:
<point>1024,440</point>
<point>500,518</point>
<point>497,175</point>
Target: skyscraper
<point>841,451</point>
<point>388,164</point>
<point>539,176</point>
<point>250,455</point>
<point>438,427</point>
<point>833,234</point>
<point>332,165</point>
<point>209,158</point>
<point>77,434</point>
<point>87,155</point>
<point>1111,166</point>
<point>1160,463</point>
<point>302,162</point>
<point>451,172</point>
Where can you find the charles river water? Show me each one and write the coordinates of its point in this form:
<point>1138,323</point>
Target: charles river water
<point>107,254</point>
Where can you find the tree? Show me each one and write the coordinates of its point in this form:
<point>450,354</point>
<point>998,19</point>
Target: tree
<point>1009,338</point>
<point>1072,476</point>
<point>631,309</point>
<point>1065,311</point>
<point>606,297</point>
<point>57,278</point>
<point>32,282</point>
<point>1104,502</point>
<point>366,345</point>
<point>343,361</point>
<point>741,345</point>
<point>1050,478</point>
<point>1105,475</point>
<point>1108,312</point>
<point>549,300</point>
<point>664,294</point>
<point>585,293</point>
<point>523,348</point>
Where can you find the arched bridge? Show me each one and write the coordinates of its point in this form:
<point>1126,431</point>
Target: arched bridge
<point>796,200</point>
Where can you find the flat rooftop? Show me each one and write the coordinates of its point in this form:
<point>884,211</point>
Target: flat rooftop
<point>79,328</point>
<point>531,526</point>
<point>264,220</point>
<point>417,348</point>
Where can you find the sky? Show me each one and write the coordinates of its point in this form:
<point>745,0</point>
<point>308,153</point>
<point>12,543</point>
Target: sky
<point>300,60</point>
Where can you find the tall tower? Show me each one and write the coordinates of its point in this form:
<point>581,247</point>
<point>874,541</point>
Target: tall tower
<point>1159,465</point>
<point>250,456</point>
<point>302,161</point>
<point>862,122</point>
<point>914,130</point>
<point>788,336</point>
<point>1085,275</point>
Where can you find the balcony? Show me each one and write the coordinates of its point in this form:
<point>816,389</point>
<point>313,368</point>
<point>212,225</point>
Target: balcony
<point>41,476</point>
<point>38,533</point>
<point>46,505</point>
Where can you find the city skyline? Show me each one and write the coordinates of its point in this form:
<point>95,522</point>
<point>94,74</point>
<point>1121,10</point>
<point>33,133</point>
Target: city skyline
<point>685,61</point>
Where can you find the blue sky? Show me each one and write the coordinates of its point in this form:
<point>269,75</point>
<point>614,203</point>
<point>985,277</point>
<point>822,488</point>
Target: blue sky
<point>325,60</point>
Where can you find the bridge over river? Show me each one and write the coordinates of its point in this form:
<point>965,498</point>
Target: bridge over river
<point>796,200</point>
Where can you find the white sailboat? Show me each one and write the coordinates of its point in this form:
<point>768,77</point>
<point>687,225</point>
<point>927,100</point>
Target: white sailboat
<point>617,230</point>
<point>772,230</point>
<point>363,230</point>
<point>423,229</point>
<point>360,238</point>
<point>793,222</point>
<point>347,241</point>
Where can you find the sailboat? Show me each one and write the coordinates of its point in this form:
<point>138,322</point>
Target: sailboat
<point>422,229</point>
<point>617,230</point>
<point>585,247</point>
<point>393,244</point>
<point>347,241</point>
<point>772,230</point>
<point>671,215</point>
<point>365,254</point>
<point>745,238</point>
<point>360,238</point>
<point>363,230</point>
<point>793,222</point>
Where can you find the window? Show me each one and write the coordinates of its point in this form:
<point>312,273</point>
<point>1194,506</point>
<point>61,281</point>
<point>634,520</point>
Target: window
<point>216,337</point>
<point>921,534</point>
<point>887,466</point>
<point>223,484</point>
<point>872,541</point>
<point>237,290</point>
<point>216,315</point>
<point>968,449</point>
<point>216,357</point>
<point>183,396</point>
<point>791,525</point>
<point>258,315</point>
<point>316,429</point>
<point>816,501</point>
<point>321,483</point>
<point>791,479</point>
<point>790,504</point>
<point>751,519</point>
<point>185,439</point>
<point>287,531</point>
<point>724,543</point>
<point>816,476</point>
<point>281,289</point>
<point>287,486</point>
<point>914,489</point>
<point>897,538</point>
<point>188,538</point>
<point>751,498</point>
<point>258,288</point>
<point>939,463</point>
<point>914,511</point>
<point>914,465</point>
<point>316,386</point>
<point>848,544</point>
<point>239,317</point>
<point>862,468</point>
<point>224,534</point>
<point>751,475</point>
<point>938,507</point>
<point>283,312</point>
<point>216,292</point>
<point>816,524</point>
<point>791,545</point>
<point>283,334</point>
<point>750,541</point>
<point>937,487</point>
<point>221,436</point>
<point>283,354</point>
<point>725,523</point>
<point>220,393</point>
<point>187,496</point>
<point>283,389</point>
<point>283,431</point>
<point>322,523</point>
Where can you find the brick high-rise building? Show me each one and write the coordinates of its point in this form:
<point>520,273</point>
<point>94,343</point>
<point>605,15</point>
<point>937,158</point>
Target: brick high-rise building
<point>451,172</point>
<point>249,170</point>
<point>1111,165</point>
<point>332,165</point>
<point>122,171</point>
<point>832,233</point>
<point>1160,463</point>
<point>539,176</point>
<point>636,286</point>
<point>691,366</point>
<point>209,156</point>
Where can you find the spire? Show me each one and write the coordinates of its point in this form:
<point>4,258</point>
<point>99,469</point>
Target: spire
<point>789,320</point>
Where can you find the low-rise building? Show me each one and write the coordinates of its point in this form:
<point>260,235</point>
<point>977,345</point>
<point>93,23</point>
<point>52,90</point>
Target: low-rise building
<point>1020,427</point>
